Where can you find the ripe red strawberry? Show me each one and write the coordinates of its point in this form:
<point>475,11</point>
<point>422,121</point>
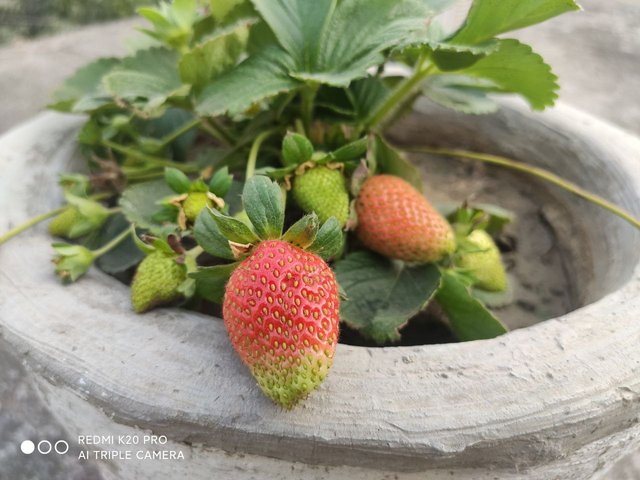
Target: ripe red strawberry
<point>281,309</point>
<point>395,219</point>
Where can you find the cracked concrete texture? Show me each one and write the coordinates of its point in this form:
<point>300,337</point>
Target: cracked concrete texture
<point>596,55</point>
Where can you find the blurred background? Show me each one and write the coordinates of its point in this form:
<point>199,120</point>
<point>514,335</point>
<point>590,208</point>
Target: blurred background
<point>596,54</point>
<point>31,18</point>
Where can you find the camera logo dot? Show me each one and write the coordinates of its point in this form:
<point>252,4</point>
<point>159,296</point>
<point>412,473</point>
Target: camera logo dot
<point>61,447</point>
<point>27,447</point>
<point>44,447</point>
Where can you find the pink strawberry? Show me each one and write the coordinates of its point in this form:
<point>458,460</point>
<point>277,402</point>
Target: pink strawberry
<point>395,219</point>
<point>281,309</point>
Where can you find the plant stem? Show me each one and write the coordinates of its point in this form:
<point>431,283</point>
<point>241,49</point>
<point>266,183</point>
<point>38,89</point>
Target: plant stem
<point>255,148</point>
<point>405,89</point>
<point>112,244</point>
<point>536,172</point>
<point>218,131</point>
<point>156,161</point>
<point>30,223</point>
<point>195,251</point>
<point>167,139</point>
<point>307,99</point>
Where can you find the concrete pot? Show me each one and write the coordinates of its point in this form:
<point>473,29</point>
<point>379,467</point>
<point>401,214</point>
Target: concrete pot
<point>559,400</point>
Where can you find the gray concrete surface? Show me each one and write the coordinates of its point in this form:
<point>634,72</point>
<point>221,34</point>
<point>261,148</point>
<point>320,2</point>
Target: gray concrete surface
<point>595,53</point>
<point>31,70</point>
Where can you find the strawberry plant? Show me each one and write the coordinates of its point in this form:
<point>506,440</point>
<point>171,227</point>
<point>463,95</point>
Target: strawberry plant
<point>238,166</point>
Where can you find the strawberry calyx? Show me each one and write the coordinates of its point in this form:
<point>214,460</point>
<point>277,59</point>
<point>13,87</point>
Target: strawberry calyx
<point>193,196</point>
<point>263,203</point>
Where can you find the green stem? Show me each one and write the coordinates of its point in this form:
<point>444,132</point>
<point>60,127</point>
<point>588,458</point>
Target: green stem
<point>30,223</point>
<point>218,131</point>
<point>405,89</point>
<point>255,148</point>
<point>536,172</point>
<point>112,244</point>
<point>167,139</point>
<point>157,161</point>
<point>307,103</point>
<point>195,251</point>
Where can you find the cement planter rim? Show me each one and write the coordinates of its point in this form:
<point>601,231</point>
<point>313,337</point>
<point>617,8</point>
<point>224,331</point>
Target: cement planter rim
<point>531,397</point>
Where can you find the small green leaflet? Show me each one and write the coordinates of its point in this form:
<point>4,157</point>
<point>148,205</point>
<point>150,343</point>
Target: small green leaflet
<point>149,78</point>
<point>464,94</point>
<point>329,241</point>
<point>389,160</point>
<point>213,57</point>
<point>303,233</point>
<point>366,95</point>
<point>83,91</point>
<point>296,149</point>
<point>233,229</point>
<point>469,318</point>
<point>263,202</point>
<point>488,18</point>
<point>209,237</point>
<point>211,281</point>
<point>515,68</point>
<point>141,202</point>
<point>220,9</point>
<point>382,294</point>
<point>259,77</point>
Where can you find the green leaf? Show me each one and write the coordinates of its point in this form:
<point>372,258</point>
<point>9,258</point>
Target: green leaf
<point>149,78</point>
<point>464,94</point>
<point>212,281</point>
<point>220,9</point>
<point>209,237</point>
<point>296,149</point>
<point>314,48</point>
<point>448,57</point>
<point>298,25</point>
<point>303,232</point>
<point>83,91</point>
<point>483,216</point>
<point>125,255</point>
<point>515,68</point>
<point>177,180</point>
<point>259,77</point>
<point>213,57</point>
<point>313,33</point>
<point>350,151</point>
<point>469,319</point>
<point>233,229</point>
<point>263,202</point>
<point>366,95</point>
<point>329,241</point>
<point>392,161</point>
<point>184,12</point>
<point>141,202</point>
<point>488,18</point>
<point>382,295</point>
<point>221,182</point>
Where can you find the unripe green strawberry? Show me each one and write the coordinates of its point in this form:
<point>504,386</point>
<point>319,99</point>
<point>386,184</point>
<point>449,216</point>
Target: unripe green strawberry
<point>156,281</point>
<point>194,203</point>
<point>281,309</point>
<point>322,190</point>
<point>61,225</point>
<point>395,219</point>
<point>485,263</point>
